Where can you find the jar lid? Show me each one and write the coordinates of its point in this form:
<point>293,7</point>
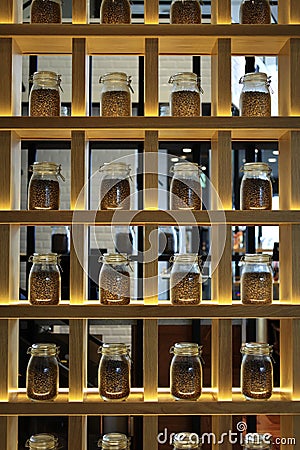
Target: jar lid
<point>47,167</point>
<point>45,77</point>
<point>43,349</point>
<point>111,258</point>
<point>184,76</point>
<point>186,258</point>
<point>185,440</point>
<point>256,76</point>
<point>42,441</point>
<point>115,167</point>
<point>256,348</point>
<point>116,441</point>
<point>117,77</point>
<point>113,349</point>
<point>258,441</point>
<point>51,258</point>
<point>186,348</point>
<point>256,258</point>
<point>185,167</point>
<point>256,167</point>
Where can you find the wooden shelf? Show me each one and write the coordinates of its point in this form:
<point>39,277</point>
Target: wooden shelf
<point>154,217</point>
<point>134,128</point>
<point>130,39</point>
<point>93,310</point>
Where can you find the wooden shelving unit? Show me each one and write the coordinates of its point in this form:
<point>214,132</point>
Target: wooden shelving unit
<point>220,40</point>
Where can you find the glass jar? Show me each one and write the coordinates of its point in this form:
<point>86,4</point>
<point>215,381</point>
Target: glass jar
<point>255,12</point>
<point>114,280</point>
<point>255,98</point>
<point>115,94</point>
<point>43,190</point>
<point>44,98</point>
<point>46,11</point>
<point>257,441</point>
<point>185,188</point>
<point>185,280</point>
<point>44,280</point>
<point>42,441</point>
<point>257,371</point>
<point>185,11</point>
<point>60,240</point>
<point>115,11</point>
<point>185,95</point>
<point>186,441</point>
<point>186,371</point>
<point>114,372</point>
<point>42,372</point>
<point>256,186</point>
<point>114,441</point>
<point>115,186</point>
<point>256,279</point>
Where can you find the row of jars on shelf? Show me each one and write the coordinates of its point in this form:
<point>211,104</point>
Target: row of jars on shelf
<point>185,189</point>
<point>115,101</point>
<point>181,12</point>
<point>186,376</point>
<point>118,441</point>
<point>185,280</point>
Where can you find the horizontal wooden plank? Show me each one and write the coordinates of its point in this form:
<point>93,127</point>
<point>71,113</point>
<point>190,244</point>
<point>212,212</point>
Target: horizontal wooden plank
<point>93,405</point>
<point>136,310</point>
<point>149,217</point>
<point>129,39</point>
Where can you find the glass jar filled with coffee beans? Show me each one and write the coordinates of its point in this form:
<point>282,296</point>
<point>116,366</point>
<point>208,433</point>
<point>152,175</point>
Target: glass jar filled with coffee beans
<point>44,279</point>
<point>257,371</point>
<point>46,11</point>
<point>114,441</point>
<point>43,190</point>
<point>44,98</point>
<point>42,441</point>
<point>185,98</point>
<point>256,187</point>
<point>115,94</point>
<point>115,11</point>
<point>256,279</point>
<point>115,186</point>
<point>114,372</point>
<point>114,279</point>
<point>255,12</point>
<point>186,371</point>
<point>42,372</point>
<point>185,11</point>
<point>257,441</point>
<point>186,441</point>
<point>185,280</point>
<point>255,98</point>
<point>185,188</point>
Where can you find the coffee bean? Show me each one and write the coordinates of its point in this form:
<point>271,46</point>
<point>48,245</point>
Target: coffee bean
<point>45,11</point>
<point>44,288</point>
<point>114,286</point>
<point>255,11</point>
<point>185,12</point>
<point>186,378</point>
<point>185,103</point>
<point>42,378</point>
<point>115,193</point>
<point>257,377</point>
<point>186,195</point>
<point>115,11</point>
<point>115,104</point>
<point>185,288</point>
<point>43,194</point>
<point>255,104</point>
<point>256,193</point>
<point>114,378</point>
<point>256,287</point>
<point>44,102</point>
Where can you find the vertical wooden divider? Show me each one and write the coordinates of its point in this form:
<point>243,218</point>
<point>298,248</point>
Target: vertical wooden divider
<point>288,78</point>
<point>9,432</point>
<point>10,11</point>
<point>288,11</point>
<point>221,12</point>
<point>79,77</point>
<point>221,78</point>
<point>222,424</point>
<point>290,428</point>
<point>150,432</point>
<point>150,355</point>
<point>151,11</point>
<point>80,11</point>
<point>77,438</point>
<point>151,77</point>
<point>222,358</point>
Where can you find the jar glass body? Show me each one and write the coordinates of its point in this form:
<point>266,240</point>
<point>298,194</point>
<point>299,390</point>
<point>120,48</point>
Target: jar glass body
<point>114,372</point>
<point>43,189</point>
<point>185,12</point>
<point>115,98</point>
<point>42,441</point>
<point>46,11</point>
<point>42,372</point>
<point>185,98</point>
<point>255,12</point>
<point>185,188</point>
<point>114,280</point>
<point>44,280</point>
<point>257,280</point>
<point>255,98</point>
<point>257,371</point>
<point>115,11</point>
<point>256,187</point>
<point>44,98</point>
<point>185,280</point>
<point>186,371</point>
<point>115,187</point>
